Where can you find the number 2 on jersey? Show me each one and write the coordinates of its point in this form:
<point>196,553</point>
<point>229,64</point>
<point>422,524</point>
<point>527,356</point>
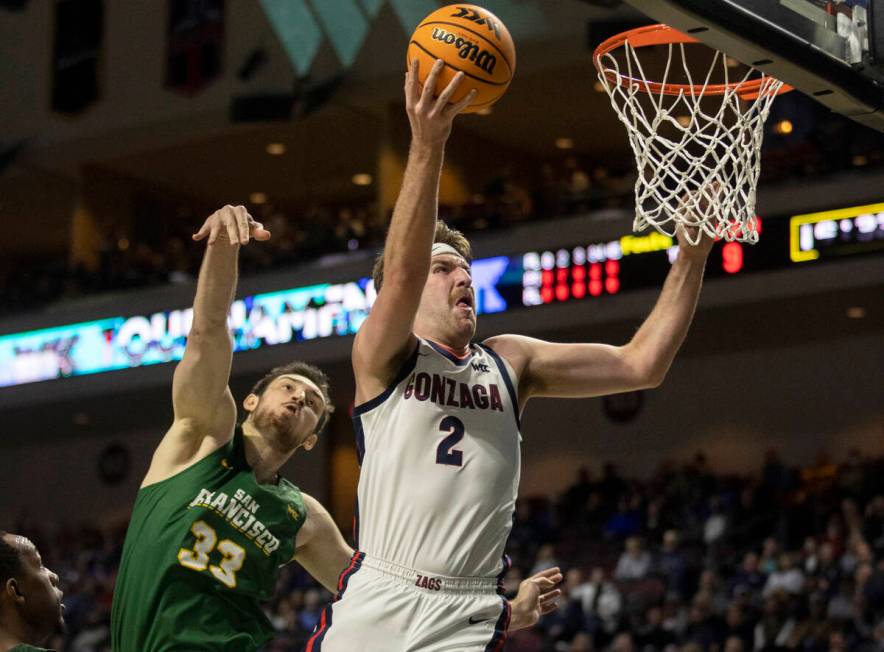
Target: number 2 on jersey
<point>198,558</point>
<point>444,453</point>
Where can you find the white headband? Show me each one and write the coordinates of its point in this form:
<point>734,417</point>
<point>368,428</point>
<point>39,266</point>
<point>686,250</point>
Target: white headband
<point>442,248</point>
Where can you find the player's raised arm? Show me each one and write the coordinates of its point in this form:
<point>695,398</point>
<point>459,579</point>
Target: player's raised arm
<point>319,546</point>
<point>582,370</point>
<point>203,406</point>
<point>385,339</point>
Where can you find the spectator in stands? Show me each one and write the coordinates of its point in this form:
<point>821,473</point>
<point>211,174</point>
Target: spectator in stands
<point>577,495</point>
<point>738,624</point>
<point>30,600</point>
<point>312,610</point>
<point>773,629</point>
<point>634,563</point>
<point>626,521</point>
<point>716,522</point>
<point>674,614</point>
<point>873,528</point>
<point>600,601</point>
<point>829,571</point>
<point>576,186</point>
<point>651,633</point>
<point>656,522</point>
<point>704,627</point>
<point>810,557</point>
<point>582,642</point>
<point>671,565</point>
<point>546,558</point>
<point>813,629</point>
<point>623,642</point>
<point>734,644</point>
<point>711,589</point>
<point>787,577</point>
<point>770,550</point>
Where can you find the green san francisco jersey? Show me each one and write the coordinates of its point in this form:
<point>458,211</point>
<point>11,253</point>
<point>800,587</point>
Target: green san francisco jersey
<point>203,549</point>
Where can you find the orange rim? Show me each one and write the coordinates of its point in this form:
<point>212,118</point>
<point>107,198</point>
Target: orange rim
<point>648,35</point>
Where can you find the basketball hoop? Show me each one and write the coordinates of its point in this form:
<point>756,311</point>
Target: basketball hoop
<point>697,142</point>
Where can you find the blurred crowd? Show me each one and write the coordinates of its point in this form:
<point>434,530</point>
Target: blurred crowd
<point>157,249</point>
<point>690,560</point>
<point>803,140</point>
<point>694,561</point>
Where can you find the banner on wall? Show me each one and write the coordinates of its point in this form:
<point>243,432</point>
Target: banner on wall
<point>194,44</point>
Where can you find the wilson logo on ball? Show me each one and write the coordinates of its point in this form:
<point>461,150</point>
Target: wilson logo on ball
<point>476,17</point>
<point>471,40</point>
<point>467,50</point>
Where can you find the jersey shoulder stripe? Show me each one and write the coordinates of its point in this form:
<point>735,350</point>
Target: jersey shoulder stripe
<point>406,369</point>
<point>359,430</point>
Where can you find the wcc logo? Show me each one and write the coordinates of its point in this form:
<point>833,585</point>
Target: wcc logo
<point>480,366</point>
<point>476,17</point>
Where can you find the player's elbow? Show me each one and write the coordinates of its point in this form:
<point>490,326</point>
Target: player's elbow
<point>208,330</point>
<point>653,379</point>
<point>651,376</point>
<point>642,371</point>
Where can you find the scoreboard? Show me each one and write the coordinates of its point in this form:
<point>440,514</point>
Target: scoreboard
<point>841,232</point>
<point>573,272</point>
<point>633,262</point>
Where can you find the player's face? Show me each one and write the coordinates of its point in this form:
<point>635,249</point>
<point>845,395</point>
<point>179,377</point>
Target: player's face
<point>291,406</point>
<point>448,302</point>
<point>42,607</point>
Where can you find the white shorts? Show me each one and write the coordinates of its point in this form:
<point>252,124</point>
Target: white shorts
<point>382,607</point>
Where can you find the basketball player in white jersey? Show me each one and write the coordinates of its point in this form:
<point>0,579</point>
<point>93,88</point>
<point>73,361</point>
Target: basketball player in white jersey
<point>437,419</point>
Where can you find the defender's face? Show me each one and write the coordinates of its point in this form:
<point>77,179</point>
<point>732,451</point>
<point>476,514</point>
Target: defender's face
<point>42,606</point>
<point>293,406</point>
<point>448,302</point>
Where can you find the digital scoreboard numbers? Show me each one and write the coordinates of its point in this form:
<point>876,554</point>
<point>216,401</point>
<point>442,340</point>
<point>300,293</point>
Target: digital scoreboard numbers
<point>594,270</point>
<point>842,232</point>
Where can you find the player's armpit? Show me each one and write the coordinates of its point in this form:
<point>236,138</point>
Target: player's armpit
<point>319,546</point>
<point>187,442</point>
<point>379,352</point>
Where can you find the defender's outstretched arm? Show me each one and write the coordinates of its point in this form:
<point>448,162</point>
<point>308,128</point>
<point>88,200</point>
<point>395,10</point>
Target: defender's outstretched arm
<point>319,546</point>
<point>204,409</point>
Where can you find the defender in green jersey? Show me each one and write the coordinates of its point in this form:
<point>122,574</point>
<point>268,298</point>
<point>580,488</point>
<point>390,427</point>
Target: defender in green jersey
<point>213,522</point>
<point>30,603</point>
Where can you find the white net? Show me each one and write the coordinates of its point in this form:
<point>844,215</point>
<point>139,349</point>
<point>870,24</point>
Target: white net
<point>697,144</point>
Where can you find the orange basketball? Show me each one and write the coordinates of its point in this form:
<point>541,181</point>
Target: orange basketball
<point>468,39</point>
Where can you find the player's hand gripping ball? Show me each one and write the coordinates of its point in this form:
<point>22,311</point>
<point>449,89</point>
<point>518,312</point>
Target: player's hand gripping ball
<point>468,39</point>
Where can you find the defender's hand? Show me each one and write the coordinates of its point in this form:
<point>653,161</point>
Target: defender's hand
<point>536,597</point>
<point>431,117</point>
<point>233,224</point>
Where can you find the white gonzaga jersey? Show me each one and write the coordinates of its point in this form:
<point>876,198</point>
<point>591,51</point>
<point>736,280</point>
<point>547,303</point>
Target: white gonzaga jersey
<point>440,460</point>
